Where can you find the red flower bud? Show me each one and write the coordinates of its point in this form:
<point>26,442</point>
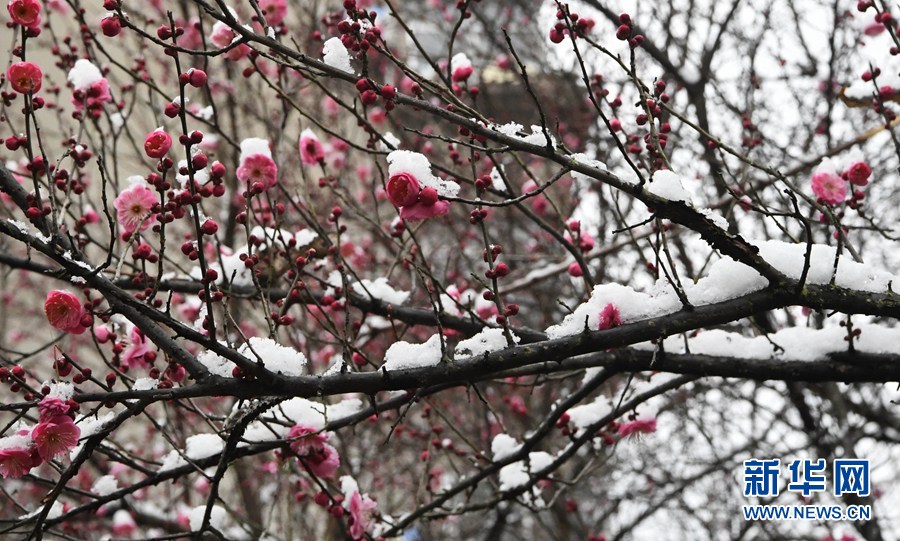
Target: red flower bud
<point>111,26</point>
<point>157,144</point>
<point>199,161</point>
<point>556,36</point>
<point>369,97</point>
<point>209,227</point>
<point>428,196</point>
<point>858,173</point>
<point>197,78</point>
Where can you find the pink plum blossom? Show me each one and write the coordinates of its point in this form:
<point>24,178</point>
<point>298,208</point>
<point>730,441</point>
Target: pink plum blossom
<point>103,334</point>
<point>311,150</point>
<point>258,168</point>
<point>191,39</point>
<point>309,444</point>
<point>55,436</point>
<point>829,188</point>
<point>16,457</point>
<point>305,439</point>
<point>52,406</point>
<point>222,36</point>
<point>609,317</point>
<point>360,507</point>
<point>415,204</point>
<point>24,77</point>
<point>157,144</point>
<point>274,10</point>
<point>421,211</point>
<point>323,463</point>
<point>133,208</point>
<point>25,12</point>
<point>93,97</point>
<point>403,189</point>
<point>136,352</point>
<point>64,311</point>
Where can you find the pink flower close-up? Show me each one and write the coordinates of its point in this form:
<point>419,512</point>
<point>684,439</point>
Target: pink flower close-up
<point>828,187</point>
<point>93,97</point>
<point>609,317</point>
<point>15,460</point>
<point>64,311</point>
<point>258,168</point>
<point>52,406</point>
<point>309,445</point>
<point>311,150</point>
<point>322,462</point>
<point>24,77</point>
<point>415,203</point>
<point>103,334</point>
<point>274,10</point>
<point>403,189</point>
<point>157,144</point>
<point>25,12</point>
<point>222,37</point>
<point>305,440</point>
<point>360,508</point>
<point>421,211</point>
<point>133,208</point>
<point>55,436</point>
<point>137,350</point>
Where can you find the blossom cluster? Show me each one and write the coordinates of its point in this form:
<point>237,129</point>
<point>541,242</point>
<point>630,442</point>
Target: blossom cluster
<point>55,433</point>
